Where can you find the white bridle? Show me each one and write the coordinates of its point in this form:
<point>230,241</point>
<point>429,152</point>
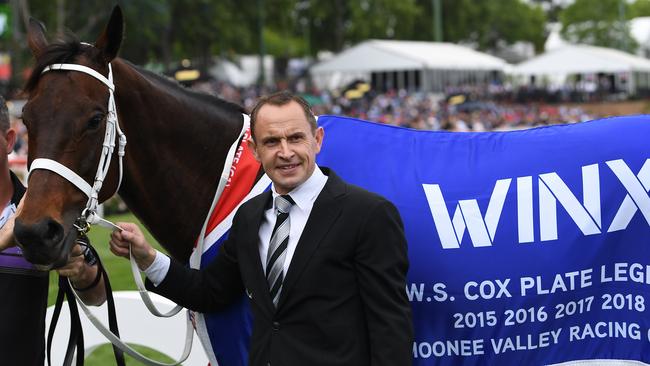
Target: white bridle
<point>112,129</point>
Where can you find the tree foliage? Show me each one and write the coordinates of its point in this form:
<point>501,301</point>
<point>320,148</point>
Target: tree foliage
<point>487,24</point>
<point>640,8</point>
<point>598,22</point>
<point>163,31</point>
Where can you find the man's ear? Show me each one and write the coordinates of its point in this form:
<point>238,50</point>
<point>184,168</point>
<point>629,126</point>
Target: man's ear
<point>253,147</point>
<point>319,135</point>
<point>11,140</point>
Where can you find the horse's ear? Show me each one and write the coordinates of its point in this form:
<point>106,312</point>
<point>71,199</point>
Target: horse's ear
<point>36,37</point>
<point>110,40</point>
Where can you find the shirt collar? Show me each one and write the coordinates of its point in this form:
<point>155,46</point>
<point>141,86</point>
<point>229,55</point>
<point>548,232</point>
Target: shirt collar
<point>307,192</point>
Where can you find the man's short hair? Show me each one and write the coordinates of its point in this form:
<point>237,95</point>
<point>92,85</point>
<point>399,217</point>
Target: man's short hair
<point>279,99</point>
<point>4,116</point>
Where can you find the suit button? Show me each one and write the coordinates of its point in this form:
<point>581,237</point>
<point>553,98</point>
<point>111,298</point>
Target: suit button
<point>276,326</point>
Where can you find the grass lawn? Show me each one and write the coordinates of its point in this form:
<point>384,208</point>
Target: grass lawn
<point>121,279</point>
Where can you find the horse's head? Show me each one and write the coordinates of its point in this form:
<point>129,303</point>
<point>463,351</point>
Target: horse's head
<point>66,117</point>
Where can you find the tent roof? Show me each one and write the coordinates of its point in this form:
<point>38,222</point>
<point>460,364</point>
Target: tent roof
<point>380,55</point>
<point>582,59</point>
<point>640,30</point>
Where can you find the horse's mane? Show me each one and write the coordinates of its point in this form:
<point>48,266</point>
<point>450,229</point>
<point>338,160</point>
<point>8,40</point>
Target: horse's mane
<point>69,48</point>
<point>175,87</point>
<point>62,51</point>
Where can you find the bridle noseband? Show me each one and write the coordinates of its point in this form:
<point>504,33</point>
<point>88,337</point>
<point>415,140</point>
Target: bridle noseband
<point>89,214</point>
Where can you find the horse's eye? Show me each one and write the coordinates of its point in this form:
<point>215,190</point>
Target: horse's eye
<point>95,121</point>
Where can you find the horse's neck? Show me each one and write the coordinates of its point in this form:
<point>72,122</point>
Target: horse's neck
<point>175,154</point>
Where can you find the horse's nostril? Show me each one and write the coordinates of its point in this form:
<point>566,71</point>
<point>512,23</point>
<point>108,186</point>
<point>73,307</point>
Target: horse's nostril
<point>47,233</point>
<point>20,230</point>
<point>54,232</point>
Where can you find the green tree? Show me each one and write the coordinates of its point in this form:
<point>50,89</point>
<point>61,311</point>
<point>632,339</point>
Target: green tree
<point>337,23</point>
<point>640,8</point>
<point>164,31</point>
<point>598,22</point>
<point>488,24</point>
<point>551,8</point>
<point>510,21</point>
<point>147,32</point>
<point>286,32</point>
<point>157,30</point>
<point>203,28</point>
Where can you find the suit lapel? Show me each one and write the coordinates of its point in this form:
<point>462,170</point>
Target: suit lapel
<point>251,248</point>
<point>323,215</point>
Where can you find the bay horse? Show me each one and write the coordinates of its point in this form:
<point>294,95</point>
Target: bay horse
<point>167,184</point>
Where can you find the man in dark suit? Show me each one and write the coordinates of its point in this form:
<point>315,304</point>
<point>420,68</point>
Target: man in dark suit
<point>323,262</point>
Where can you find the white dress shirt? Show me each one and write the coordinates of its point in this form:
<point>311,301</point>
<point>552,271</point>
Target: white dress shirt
<point>304,196</point>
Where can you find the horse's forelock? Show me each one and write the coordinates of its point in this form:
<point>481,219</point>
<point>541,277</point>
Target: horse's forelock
<point>63,51</point>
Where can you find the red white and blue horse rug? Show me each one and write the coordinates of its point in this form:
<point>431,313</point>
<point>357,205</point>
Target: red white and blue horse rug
<point>528,247</point>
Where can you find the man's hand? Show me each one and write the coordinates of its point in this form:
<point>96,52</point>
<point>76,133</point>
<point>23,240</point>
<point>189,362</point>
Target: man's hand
<point>131,235</point>
<point>85,278</point>
<point>7,239</point>
<point>77,270</point>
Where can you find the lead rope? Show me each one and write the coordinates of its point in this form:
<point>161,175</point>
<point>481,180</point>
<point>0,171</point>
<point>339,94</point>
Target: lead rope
<point>76,330</point>
<point>112,333</point>
<point>75,339</point>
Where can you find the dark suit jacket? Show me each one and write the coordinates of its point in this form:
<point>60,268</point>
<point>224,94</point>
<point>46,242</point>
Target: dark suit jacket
<point>343,301</point>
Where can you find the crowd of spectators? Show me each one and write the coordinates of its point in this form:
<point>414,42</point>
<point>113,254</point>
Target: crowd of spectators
<point>460,109</point>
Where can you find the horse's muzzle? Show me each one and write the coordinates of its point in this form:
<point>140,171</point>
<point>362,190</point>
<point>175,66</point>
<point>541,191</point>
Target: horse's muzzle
<point>43,242</point>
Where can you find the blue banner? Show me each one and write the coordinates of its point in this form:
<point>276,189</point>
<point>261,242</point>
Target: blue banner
<point>528,247</point>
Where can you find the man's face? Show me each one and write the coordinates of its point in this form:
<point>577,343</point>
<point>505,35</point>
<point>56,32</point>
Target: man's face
<point>285,145</point>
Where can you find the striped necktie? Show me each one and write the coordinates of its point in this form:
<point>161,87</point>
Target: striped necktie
<point>278,247</point>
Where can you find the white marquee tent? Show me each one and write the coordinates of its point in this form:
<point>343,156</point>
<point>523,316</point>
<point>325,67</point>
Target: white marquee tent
<point>428,66</point>
<point>627,72</point>
<point>639,30</point>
